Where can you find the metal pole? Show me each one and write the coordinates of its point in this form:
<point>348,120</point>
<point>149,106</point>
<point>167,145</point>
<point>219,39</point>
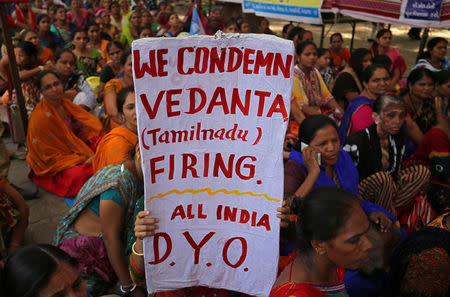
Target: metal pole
<point>322,35</point>
<point>423,41</point>
<point>13,69</point>
<point>353,36</point>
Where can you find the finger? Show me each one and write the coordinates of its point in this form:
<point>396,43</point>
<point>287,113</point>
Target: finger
<point>143,213</point>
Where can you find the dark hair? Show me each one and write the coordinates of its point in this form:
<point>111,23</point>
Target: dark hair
<point>301,47</point>
<point>442,77</point>
<point>430,45</point>
<point>321,51</point>
<point>60,52</point>
<point>144,28</point>
<point>230,22</point>
<point>322,213</point>
<point>40,17</point>
<point>29,48</point>
<point>383,60</point>
<point>42,74</point>
<point>125,55</point>
<point>356,60</point>
<point>294,32</point>
<point>309,127</point>
<point>90,24</point>
<point>370,71</point>
<point>122,96</point>
<point>384,100</point>
<point>416,243</point>
<point>75,31</point>
<point>417,74</point>
<point>29,269</point>
<point>286,27</point>
<point>380,34</point>
<point>334,35</point>
<point>115,43</point>
<point>114,3</point>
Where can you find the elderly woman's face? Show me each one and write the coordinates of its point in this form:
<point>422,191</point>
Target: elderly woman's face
<point>351,246</point>
<point>51,87</point>
<point>326,141</point>
<point>392,118</point>
<point>66,281</point>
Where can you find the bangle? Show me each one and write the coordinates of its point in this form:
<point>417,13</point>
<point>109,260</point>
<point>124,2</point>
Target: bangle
<point>132,285</point>
<point>133,249</point>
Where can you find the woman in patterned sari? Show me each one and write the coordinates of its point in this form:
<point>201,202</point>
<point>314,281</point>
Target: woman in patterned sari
<point>94,231</point>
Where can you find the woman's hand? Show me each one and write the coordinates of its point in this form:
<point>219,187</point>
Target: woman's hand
<point>381,220</point>
<point>283,214</point>
<point>309,159</point>
<point>143,226</point>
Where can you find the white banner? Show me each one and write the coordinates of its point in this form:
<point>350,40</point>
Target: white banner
<point>212,114</point>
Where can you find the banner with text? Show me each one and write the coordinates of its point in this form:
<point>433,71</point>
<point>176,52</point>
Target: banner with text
<point>305,11</point>
<point>212,113</point>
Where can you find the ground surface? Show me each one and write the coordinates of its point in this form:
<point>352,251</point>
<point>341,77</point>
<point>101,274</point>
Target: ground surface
<point>47,209</point>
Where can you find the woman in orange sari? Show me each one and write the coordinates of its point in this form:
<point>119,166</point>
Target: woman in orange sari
<point>114,147</point>
<point>61,140</point>
<point>113,87</point>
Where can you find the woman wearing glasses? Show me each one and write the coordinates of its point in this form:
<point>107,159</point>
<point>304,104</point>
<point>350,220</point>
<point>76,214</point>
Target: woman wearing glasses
<point>61,140</point>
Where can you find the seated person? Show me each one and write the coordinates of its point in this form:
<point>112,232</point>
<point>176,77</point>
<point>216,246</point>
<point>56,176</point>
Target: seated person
<point>42,270</point>
<point>348,84</point>
<point>14,212</point>
<point>420,265</point>
<point>113,87</point>
<point>114,147</point>
<point>88,59</point>
<point>61,140</point>
<point>310,94</point>
<point>434,59</point>
<point>26,57</point>
<point>340,55</point>
<point>331,236</point>
<point>95,229</point>
<point>378,152</point>
<point>76,88</point>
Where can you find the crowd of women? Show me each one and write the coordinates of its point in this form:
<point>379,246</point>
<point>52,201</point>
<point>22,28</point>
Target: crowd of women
<point>366,158</point>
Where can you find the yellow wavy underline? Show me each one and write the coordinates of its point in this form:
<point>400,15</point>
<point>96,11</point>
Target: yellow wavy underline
<point>212,193</point>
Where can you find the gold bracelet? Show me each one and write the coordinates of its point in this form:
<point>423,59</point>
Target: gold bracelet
<point>134,250</point>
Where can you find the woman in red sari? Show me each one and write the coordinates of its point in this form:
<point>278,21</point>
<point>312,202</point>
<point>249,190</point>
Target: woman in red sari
<point>331,236</point>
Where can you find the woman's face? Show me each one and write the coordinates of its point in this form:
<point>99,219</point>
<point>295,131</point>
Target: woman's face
<point>308,58</point>
<point>326,142</point>
<point>392,118</point>
<point>21,57</point>
<point>76,4</point>
<point>423,88</point>
<point>336,43</point>
<point>146,18</point>
<point>65,281</point>
<point>307,36</point>
<point>379,82</point>
<point>51,87</point>
<point>145,33</point>
<point>367,61</point>
<point>174,20</point>
<point>44,24</point>
<point>129,113</point>
<point>115,9</point>
<point>105,4</point>
<point>60,14</point>
<point>106,19</point>
<point>33,38</point>
<point>324,61</point>
<point>80,40</point>
<point>439,50</point>
<point>351,246</point>
<point>233,28</point>
<point>115,54</point>
<point>128,67</point>
<point>94,33</point>
<point>444,89</point>
<point>135,19</point>
<point>245,28</point>
<point>385,40</point>
<point>65,65</point>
